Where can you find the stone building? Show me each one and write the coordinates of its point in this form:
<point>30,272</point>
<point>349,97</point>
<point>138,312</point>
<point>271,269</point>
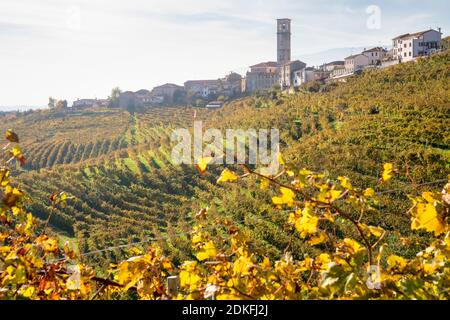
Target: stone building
<point>170,92</point>
<point>262,76</point>
<point>229,86</point>
<point>203,88</point>
<point>287,73</point>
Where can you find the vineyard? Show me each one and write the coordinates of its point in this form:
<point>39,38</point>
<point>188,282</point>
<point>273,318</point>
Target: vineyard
<point>377,149</point>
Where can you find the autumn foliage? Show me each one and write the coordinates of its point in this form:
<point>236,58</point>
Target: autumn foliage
<point>33,265</point>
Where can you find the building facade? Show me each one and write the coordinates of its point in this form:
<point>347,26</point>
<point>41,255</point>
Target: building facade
<point>356,62</point>
<point>408,47</point>
<point>202,88</point>
<point>329,67</point>
<point>169,91</point>
<point>375,55</point>
<point>262,76</point>
<point>287,73</point>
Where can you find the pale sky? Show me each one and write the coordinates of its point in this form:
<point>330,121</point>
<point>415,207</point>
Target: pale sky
<point>72,49</point>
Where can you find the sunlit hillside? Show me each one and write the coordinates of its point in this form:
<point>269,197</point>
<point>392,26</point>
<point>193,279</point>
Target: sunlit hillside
<point>117,165</point>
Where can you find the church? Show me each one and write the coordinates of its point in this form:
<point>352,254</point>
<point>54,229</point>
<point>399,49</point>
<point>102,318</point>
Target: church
<point>266,75</point>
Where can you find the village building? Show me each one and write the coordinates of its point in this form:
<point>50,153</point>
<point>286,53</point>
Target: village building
<point>331,66</point>
<point>90,103</point>
<point>408,47</point>
<point>232,84</point>
<point>356,63</point>
<point>262,76</point>
<point>169,92</point>
<point>202,88</point>
<point>229,86</point>
<point>338,72</point>
<point>309,74</point>
<point>375,55</point>
<point>128,99</point>
<point>287,73</point>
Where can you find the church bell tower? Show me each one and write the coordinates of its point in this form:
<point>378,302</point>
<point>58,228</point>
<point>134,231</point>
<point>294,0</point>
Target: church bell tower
<point>283,41</point>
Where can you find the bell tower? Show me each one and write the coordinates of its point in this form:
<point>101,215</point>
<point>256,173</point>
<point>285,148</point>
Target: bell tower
<point>283,41</point>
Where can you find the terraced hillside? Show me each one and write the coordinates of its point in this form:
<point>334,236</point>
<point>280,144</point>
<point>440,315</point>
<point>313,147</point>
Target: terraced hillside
<point>117,165</point>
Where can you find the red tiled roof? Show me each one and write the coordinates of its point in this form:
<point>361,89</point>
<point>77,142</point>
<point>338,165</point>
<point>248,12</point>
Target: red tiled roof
<point>375,49</point>
<point>168,85</point>
<point>411,35</point>
<point>200,82</point>
<point>269,64</point>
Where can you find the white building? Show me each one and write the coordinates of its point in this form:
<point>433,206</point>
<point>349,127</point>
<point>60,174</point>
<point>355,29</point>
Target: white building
<point>408,47</point>
<point>375,55</point>
<point>356,62</point>
<point>309,74</point>
<point>331,66</point>
<point>288,73</point>
<point>338,72</point>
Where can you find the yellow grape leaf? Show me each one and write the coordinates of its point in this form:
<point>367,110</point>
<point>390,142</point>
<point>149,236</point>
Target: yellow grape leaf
<point>4,177</point>
<point>345,183</point>
<point>16,151</point>
<point>290,173</point>
<point>197,238</point>
<point>333,195</point>
<point>352,246</point>
<point>369,193</point>
<point>227,176</point>
<point>306,222</point>
<point>12,136</point>
<point>280,159</point>
<point>208,251</point>
<point>264,184</point>
<point>48,244</point>
<point>321,238</point>
<point>266,263</point>
<point>388,172</point>
<point>27,291</point>
<point>426,217</point>
<point>242,265</point>
<point>129,273</point>
<point>376,231</point>
<point>396,262</point>
<point>203,164</point>
<point>429,197</point>
<point>287,197</point>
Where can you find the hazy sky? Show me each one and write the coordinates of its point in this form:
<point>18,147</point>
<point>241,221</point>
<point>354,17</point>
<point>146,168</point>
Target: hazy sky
<point>83,48</point>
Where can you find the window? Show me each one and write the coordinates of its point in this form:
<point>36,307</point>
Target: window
<point>410,53</point>
<point>404,54</point>
<point>404,45</point>
<point>410,44</point>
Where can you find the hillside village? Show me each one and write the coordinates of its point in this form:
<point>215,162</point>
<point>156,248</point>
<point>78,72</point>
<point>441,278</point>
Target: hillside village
<point>283,74</point>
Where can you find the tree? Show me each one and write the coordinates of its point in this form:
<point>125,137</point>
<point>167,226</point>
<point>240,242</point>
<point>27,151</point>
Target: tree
<point>61,104</point>
<point>114,97</point>
<point>51,103</point>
